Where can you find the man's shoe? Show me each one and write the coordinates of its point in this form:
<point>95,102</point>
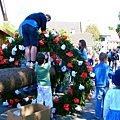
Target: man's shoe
<point>27,64</point>
<point>32,65</point>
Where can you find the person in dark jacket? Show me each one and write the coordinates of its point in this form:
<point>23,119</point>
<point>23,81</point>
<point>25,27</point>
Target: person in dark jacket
<point>115,58</point>
<point>29,30</point>
<point>109,57</point>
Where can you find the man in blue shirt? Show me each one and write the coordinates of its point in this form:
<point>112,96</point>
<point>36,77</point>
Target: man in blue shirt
<point>29,30</point>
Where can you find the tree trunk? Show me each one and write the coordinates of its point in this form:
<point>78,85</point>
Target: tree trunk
<point>16,78</point>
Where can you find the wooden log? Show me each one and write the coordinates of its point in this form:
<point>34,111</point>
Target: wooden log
<point>16,78</point>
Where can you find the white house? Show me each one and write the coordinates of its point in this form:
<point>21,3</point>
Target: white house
<point>110,39</point>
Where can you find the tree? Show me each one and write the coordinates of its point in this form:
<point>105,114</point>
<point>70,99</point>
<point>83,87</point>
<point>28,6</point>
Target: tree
<point>110,28</point>
<point>64,32</point>
<point>118,29</point>
<point>92,28</point>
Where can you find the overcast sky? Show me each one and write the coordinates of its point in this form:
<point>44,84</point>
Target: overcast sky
<point>104,13</point>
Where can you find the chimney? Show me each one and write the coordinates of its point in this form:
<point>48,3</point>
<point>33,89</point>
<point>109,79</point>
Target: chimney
<point>80,27</point>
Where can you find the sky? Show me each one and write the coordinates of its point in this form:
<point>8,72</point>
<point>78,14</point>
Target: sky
<point>104,13</point>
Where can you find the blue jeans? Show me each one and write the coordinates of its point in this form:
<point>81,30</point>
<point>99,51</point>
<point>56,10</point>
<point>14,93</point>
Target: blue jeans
<point>100,95</point>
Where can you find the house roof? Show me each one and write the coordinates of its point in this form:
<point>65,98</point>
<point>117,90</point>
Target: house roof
<point>68,26</point>
<point>86,36</point>
<point>6,32</point>
<point>74,28</point>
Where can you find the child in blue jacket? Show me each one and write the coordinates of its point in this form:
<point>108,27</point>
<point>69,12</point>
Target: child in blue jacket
<point>103,74</point>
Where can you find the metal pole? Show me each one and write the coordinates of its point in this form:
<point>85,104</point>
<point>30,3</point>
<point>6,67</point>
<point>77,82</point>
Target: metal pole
<point>2,5</point>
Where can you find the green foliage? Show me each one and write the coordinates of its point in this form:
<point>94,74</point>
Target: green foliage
<point>7,53</point>
<point>63,77</point>
<point>92,28</point>
<point>118,47</point>
<point>63,32</point>
<point>110,28</point>
<point>118,29</point>
<point>12,96</point>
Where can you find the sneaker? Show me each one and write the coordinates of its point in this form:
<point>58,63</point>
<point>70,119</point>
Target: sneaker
<point>31,65</point>
<point>27,64</point>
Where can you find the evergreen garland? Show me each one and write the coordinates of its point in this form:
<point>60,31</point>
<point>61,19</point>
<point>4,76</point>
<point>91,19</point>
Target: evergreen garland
<point>72,73</point>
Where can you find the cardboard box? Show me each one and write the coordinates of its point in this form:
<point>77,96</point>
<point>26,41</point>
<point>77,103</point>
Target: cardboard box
<point>29,112</point>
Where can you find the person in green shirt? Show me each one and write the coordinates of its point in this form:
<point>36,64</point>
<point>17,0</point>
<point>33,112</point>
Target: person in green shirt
<point>44,91</point>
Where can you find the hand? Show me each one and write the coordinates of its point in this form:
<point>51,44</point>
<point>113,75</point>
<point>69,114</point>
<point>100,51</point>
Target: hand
<point>49,59</point>
<point>44,32</point>
<point>48,53</point>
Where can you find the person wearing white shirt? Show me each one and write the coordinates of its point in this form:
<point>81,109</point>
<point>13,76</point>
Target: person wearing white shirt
<point>111,110</point>
<point>102,50</point>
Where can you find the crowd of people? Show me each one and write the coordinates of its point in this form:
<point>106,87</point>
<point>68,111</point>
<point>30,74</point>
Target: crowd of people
<point>106,72</point>
<point>113,57</point>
